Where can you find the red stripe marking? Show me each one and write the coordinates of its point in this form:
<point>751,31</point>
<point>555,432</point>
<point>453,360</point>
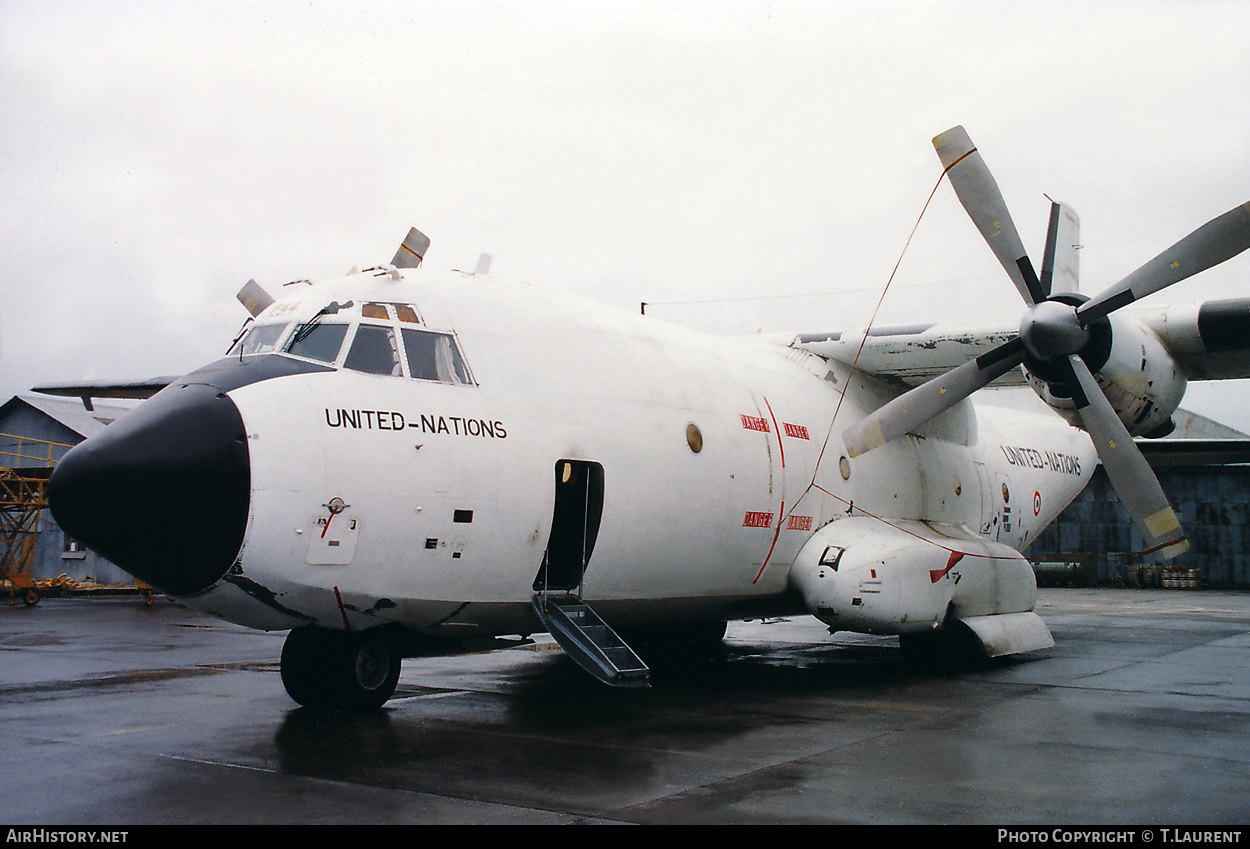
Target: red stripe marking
<point>782,510</point>
<point>782,447</point>
<point>776,534</point>
<point>936,575</point>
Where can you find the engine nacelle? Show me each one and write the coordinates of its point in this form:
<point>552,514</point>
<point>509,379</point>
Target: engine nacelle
<point>1139,378</point>
<point>861,574</point>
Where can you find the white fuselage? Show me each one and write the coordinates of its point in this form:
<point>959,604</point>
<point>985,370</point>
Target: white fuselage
<point>378,498</point>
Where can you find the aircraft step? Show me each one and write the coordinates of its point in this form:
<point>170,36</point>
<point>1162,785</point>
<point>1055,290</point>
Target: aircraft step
<point>590,642</point>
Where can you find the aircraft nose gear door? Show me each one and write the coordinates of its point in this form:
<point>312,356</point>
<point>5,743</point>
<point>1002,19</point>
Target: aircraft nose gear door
<point>574,526</point>
<point>585,637</point>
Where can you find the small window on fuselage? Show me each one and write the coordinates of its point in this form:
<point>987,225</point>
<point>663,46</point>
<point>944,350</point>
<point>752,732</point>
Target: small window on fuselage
<point>406,313</point>
<point>372,310</point>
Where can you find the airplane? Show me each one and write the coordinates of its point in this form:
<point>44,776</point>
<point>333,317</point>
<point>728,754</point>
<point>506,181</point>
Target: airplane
<point>405,459</point>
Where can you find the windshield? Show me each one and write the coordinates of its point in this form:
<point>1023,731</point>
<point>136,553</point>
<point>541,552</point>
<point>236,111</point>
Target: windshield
<point>385,343</point>
<point>319,342</point>
<point>262,339</point>
<point>433,356</point>
<point>374,351</point>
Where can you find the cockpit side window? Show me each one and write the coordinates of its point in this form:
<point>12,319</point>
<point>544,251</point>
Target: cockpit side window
<point>262,339</point>
<point>374,351</point>
<point>434,356</point>
<point>317,341</point>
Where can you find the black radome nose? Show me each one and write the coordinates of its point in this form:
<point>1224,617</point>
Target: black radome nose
<point>163,492</point>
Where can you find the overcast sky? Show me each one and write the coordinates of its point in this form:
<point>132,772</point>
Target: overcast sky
<point>154,156</point>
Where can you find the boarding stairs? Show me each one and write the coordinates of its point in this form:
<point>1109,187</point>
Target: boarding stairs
<point>587,639</point>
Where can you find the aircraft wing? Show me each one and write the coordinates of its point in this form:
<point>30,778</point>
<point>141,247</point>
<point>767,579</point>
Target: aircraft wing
<point>913,354</point>
<point>87,390</point>
<point>1208,341</point>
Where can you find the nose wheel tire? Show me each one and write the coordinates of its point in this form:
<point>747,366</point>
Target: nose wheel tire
<point>339,669</point>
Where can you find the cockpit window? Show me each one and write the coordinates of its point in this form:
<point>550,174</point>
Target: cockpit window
<point>262,339</point>
<point>374,351</point>
<point>381,340</point>
<point>317,341</point>
<point>434,356</point>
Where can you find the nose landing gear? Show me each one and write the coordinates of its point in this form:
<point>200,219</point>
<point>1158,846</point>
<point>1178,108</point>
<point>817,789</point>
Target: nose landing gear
<point>324,668</point>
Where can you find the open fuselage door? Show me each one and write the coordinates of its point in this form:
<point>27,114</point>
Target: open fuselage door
<point>568,618</point>
<point>574,526</point>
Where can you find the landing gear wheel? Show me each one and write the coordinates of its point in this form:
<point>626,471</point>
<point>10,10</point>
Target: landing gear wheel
<point>373,667</point>
<point>339,669</point>
<point>953,648</point>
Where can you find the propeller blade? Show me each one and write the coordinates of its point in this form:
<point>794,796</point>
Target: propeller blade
<point>916,406</point>
<point>1219,239</point>
<point>1134,482</point>
<point>1060,265</point>
<point>979,194</point>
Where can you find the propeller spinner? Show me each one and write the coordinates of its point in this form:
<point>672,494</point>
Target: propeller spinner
<point>1057,335</point>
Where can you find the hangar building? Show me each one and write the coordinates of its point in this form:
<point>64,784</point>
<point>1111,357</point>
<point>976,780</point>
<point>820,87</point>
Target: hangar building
<point>1204,469</point>
<point>35,432</point>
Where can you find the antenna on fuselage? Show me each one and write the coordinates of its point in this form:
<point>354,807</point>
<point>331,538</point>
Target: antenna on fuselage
<point>411,250</point>
<point>254,298</point>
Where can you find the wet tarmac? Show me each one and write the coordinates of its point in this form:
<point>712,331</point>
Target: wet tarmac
<point>118,713</point>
